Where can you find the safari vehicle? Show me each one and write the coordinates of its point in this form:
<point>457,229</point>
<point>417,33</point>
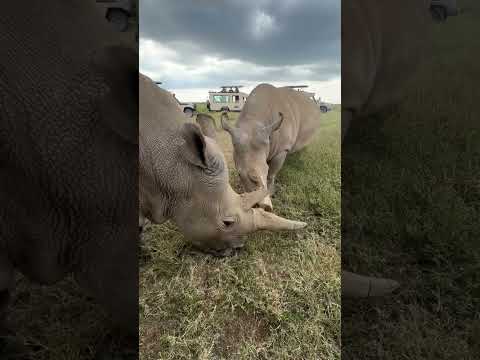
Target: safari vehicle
<point>324,107</point>
<point>441,9</point>
<point>117,12</point>
<point>229,98</point>
<point>188,109</point>
<point>299,88</point>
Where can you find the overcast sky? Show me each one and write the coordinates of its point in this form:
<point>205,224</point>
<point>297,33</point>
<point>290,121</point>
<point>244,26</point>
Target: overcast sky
<point>193,46</point>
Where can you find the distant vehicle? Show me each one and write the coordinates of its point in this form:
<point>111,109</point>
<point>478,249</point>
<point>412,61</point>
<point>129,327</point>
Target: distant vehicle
<point>441,9</point>
<point>229,98</point>
<point>188,109</point>
<point>117,12</point>
<point>299,88</point>
<point>324,107</point>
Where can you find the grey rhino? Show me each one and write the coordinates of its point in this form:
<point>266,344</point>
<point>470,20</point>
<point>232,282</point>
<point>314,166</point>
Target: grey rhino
<point>273,123</point>
<point>184,177</point>
<point>383,45</point>
<point>68,153</point>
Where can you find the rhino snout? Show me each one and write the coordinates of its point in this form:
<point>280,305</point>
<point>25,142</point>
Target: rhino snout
<point>266,204</point>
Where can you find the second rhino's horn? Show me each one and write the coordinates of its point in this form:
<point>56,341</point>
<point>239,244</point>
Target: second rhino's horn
<point>268,221</point>
<point>250,199</point>
<point>359,286</point>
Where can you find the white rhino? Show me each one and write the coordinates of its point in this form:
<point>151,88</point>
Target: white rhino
<point>273,123</point>
<point>383,45</point>
<point>68,153</point>
<point>184,177</point>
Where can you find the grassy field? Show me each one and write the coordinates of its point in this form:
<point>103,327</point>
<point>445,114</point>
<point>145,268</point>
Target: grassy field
<point>414,195</point>
<point>56,322</point>
<point>278,299</point>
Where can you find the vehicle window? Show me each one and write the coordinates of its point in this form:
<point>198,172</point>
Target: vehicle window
<point>236,98</point>
<point>221,98</point>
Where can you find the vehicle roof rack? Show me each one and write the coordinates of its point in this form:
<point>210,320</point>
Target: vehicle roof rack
<point>227,89</point>
<point>297,86</point>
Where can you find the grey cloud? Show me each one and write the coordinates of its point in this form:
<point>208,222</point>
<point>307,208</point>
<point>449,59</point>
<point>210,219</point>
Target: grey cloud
<point>240,75</point>
<point>304,31</point>
<point>291,34</point>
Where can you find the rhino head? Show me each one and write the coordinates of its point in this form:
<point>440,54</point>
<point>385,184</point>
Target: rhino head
<point>216,217</point>
<point>251,153</point>
<point>208,212</point>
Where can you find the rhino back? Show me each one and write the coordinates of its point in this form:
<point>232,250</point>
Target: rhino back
<point>50,132</point>
<point>382,47</point>
<point>301,116</point>
<point>301,111</point>
<point>159,147</point>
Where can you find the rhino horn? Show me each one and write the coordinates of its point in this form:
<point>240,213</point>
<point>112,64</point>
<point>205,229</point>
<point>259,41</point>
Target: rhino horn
<point>264,220</point>
<point>359,286</point>
<point>250,199</point>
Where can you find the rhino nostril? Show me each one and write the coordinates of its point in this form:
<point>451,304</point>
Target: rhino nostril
<point>228,223</point>
<point>266,204</point>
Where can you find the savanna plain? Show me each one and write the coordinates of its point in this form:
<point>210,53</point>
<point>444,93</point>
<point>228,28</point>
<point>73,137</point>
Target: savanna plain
<point>414,215</point>
<point>277,299</point>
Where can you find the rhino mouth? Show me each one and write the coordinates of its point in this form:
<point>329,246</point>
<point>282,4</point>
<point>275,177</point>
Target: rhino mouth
<point>230,251</point>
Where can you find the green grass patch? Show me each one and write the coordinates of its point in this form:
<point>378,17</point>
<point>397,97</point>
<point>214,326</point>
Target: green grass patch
<point>278,299</point>
<point>415,212</point>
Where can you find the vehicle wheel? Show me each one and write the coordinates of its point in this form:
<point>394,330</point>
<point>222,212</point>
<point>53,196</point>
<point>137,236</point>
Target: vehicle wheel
<point>188,112</point>
<point>323,109</point>
<point>439,13</point>
<point>118,18</point>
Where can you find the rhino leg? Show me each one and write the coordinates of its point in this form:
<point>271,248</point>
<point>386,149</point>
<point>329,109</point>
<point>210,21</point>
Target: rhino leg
<point>274,167</point>
<point>6,282</point>
<point>9,346</point>
<point>109,271</point>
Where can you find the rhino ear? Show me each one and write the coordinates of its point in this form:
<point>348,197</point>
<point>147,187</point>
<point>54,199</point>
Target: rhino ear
<point>263,134</point>
<point>207,124</point>
<point>195,145</point>
<point>277,122</point>
<point>225,125</point>
<point>118,66</point>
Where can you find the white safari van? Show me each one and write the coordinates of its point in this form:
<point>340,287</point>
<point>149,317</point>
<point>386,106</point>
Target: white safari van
<point>229,98</point>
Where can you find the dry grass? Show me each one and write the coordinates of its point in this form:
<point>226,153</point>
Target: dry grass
<point>414,197</point>
<point>279,299</point>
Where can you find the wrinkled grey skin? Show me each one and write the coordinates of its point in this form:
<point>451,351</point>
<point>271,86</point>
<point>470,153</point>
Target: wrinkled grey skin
<point>383,45</point>
<point>184,177</point>
<point>68,153</point>
<point>273,123</point>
